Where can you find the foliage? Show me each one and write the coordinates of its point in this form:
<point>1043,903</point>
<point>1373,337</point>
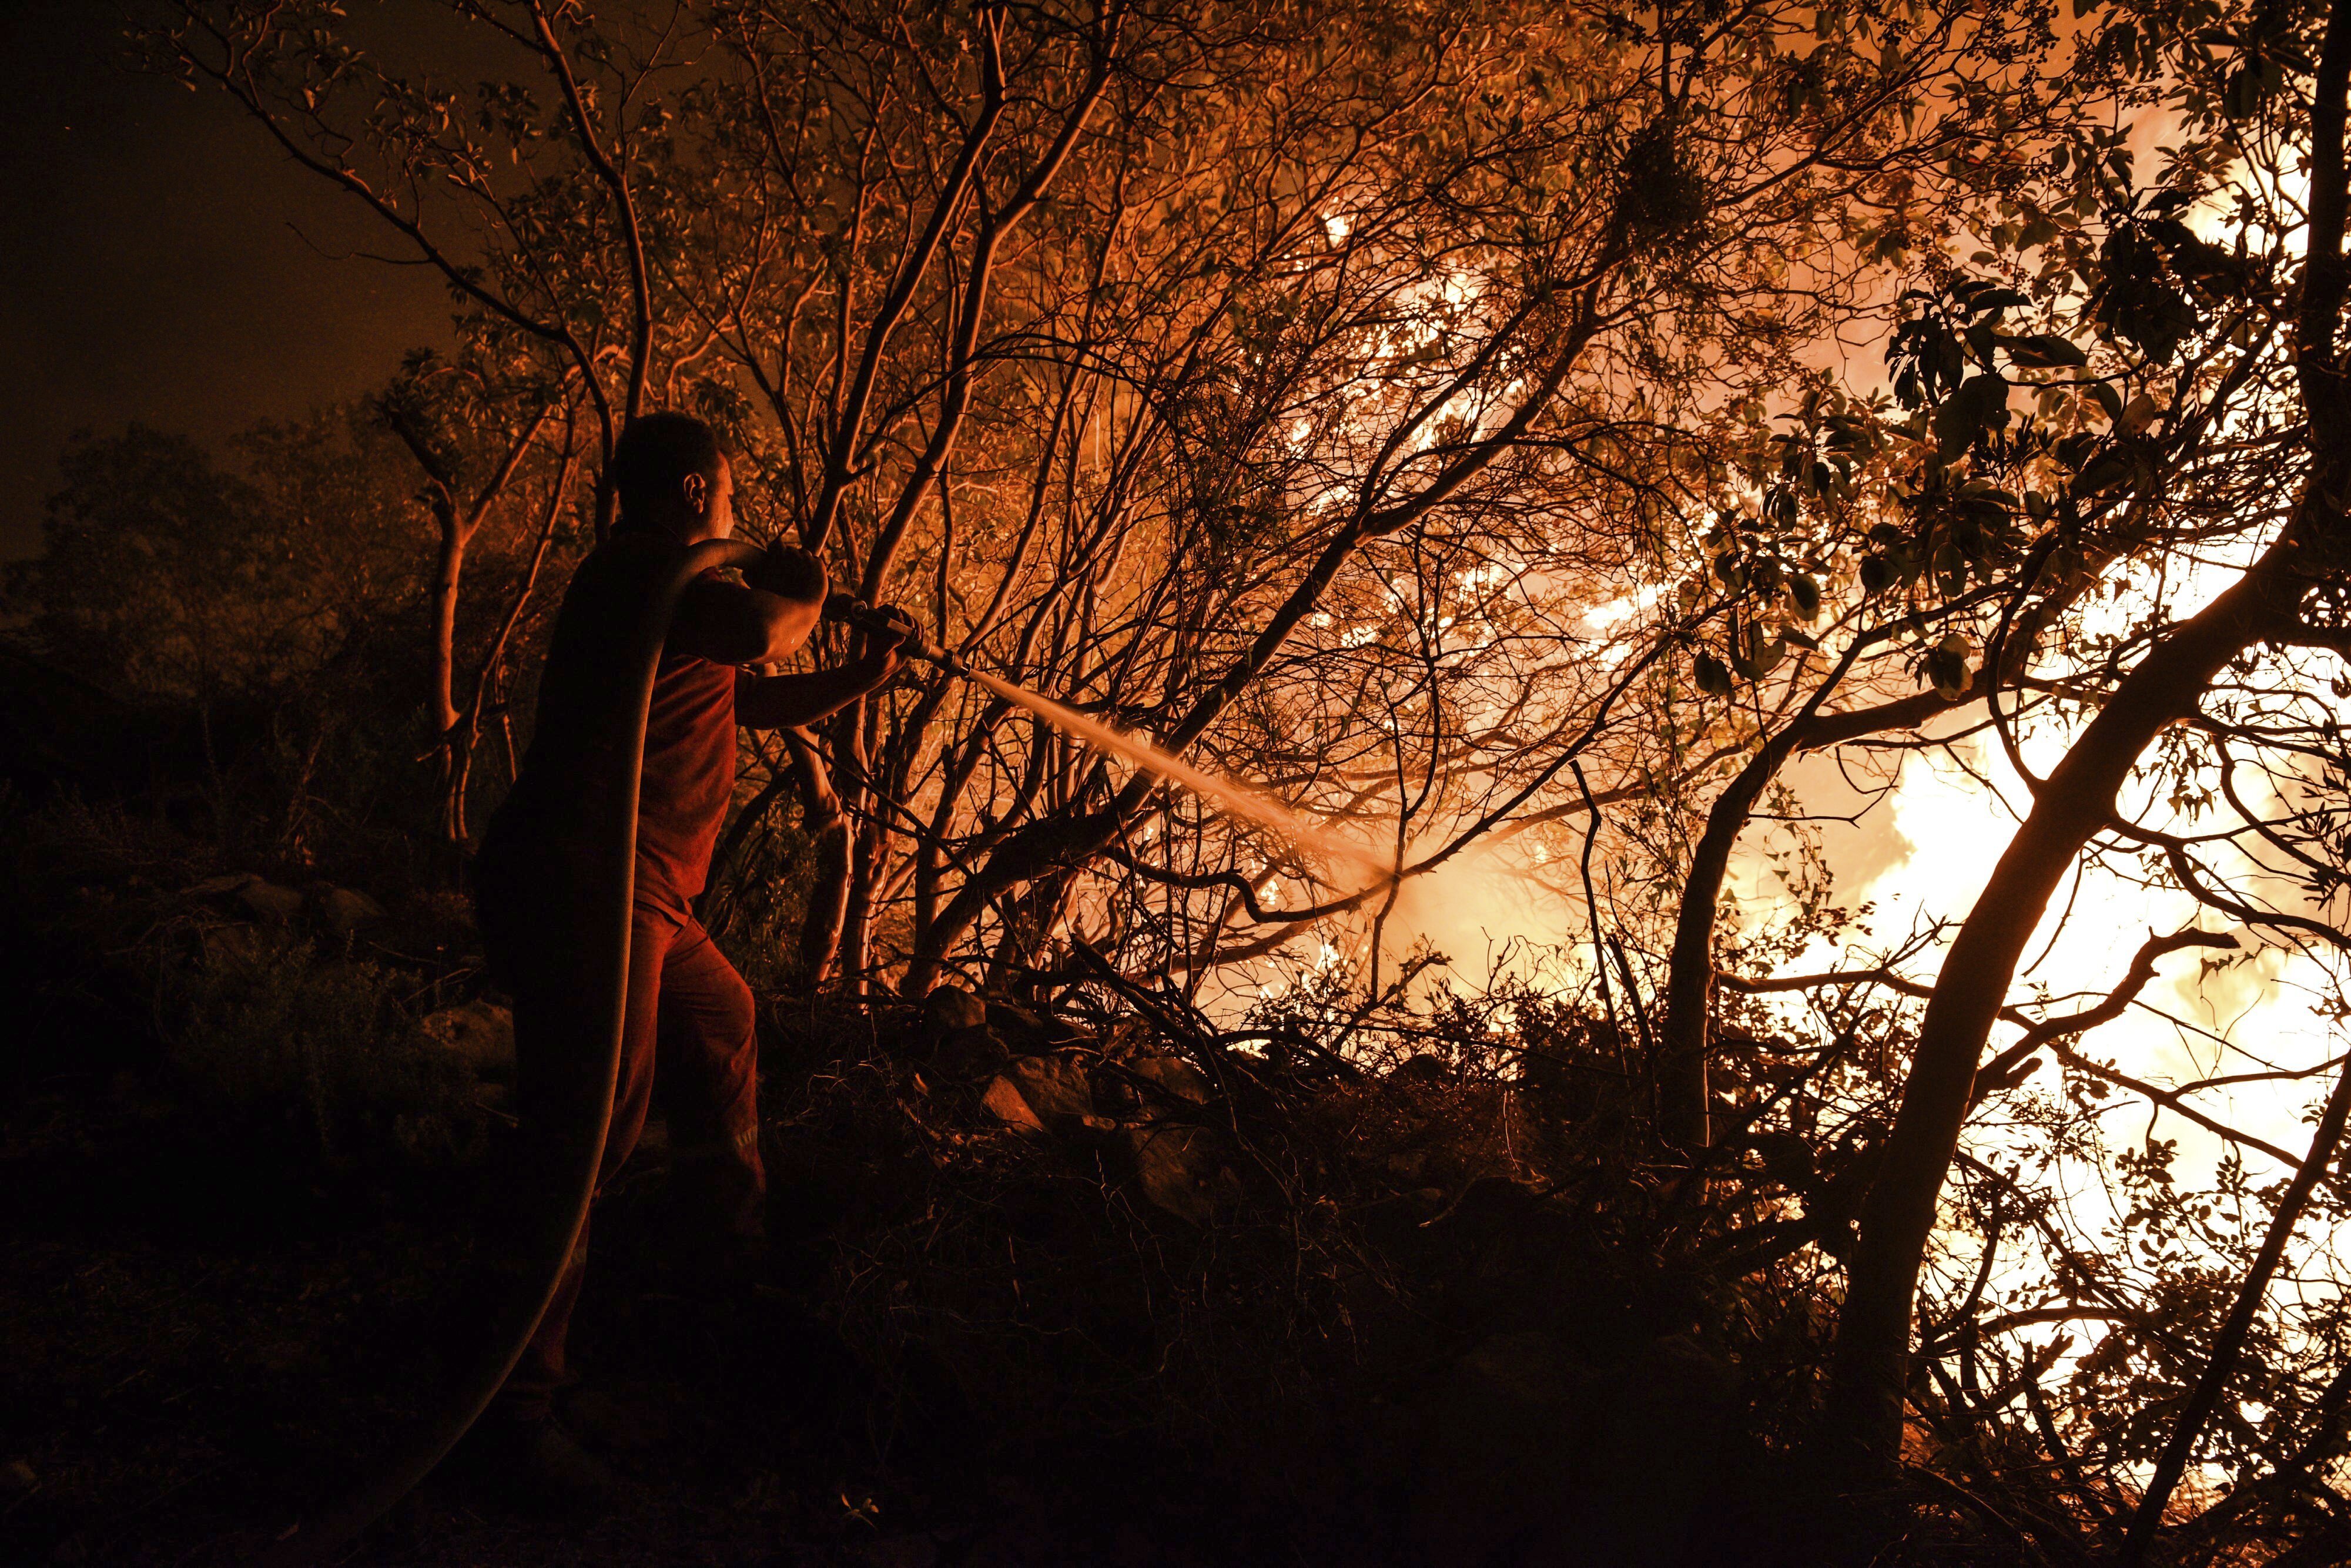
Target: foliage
<point>283,606</point>
<point>265,1030</point>
<point>161,575</point>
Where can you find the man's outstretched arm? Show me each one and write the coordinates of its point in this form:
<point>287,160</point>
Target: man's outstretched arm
<point>782,702</point>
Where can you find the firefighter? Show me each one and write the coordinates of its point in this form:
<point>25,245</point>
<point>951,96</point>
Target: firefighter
<point>687,1012</point>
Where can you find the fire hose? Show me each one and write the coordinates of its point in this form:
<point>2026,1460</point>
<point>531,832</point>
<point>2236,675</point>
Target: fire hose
<point>886,622</point>
<point>601,925</point>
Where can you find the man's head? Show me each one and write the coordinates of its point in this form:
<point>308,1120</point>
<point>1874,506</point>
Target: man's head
<point>671,474</point>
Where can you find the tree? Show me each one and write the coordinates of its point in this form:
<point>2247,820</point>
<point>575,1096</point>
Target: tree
<point>442,413</point>
<point>2283,597</point>
<point>164,576</point>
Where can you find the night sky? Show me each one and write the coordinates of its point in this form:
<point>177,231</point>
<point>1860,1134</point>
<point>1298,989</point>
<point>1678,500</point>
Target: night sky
<point>162,260</point>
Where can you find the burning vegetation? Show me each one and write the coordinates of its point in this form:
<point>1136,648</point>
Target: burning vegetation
<point>1325,1014</point>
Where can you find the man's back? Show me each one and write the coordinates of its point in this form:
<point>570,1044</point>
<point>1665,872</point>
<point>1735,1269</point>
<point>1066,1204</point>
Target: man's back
<point>688,775</point>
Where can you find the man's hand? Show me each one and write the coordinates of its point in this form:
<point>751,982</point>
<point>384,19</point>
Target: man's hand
<point>789,573</point>
<point>887,630</point>
<point>780,702</point>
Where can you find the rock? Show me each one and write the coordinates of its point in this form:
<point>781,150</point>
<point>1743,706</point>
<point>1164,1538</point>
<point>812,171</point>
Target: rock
<point>968,1053</point>
<point>955,1026</point>
<point>342,910</point>
<point>258,896</point>
<point>1005,1103</point>
<point>268,902</point>
<point>1013,1016</point>
<point>1182,1170</point>
<point>949,1008</point>
<point>1175,1076</point>
<point>481,1032</point>
<point>1041,1094</point>
<point>235,943</point>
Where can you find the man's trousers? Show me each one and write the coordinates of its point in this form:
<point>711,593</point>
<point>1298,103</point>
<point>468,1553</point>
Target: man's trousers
<point>691,1017</point>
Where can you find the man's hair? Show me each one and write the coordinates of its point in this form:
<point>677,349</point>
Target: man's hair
<point>655,455</point>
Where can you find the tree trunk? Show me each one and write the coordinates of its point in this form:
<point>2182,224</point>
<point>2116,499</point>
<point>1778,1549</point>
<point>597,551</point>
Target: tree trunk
<point>1684,1039</point>
<point>1682,1112</point>
<point>448,570</point>
<point>828,904</point>
<point>825,927</point>
<point>1870,1371</point>
<point>857,914</point>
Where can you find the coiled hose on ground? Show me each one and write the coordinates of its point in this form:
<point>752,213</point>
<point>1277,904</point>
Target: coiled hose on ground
<point>601,938</point>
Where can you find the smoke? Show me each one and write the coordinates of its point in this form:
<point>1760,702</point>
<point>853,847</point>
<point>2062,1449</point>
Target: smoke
<point>1488,916</point>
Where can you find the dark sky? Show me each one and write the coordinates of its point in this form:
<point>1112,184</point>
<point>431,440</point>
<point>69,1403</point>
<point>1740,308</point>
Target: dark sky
<point>150,262</point>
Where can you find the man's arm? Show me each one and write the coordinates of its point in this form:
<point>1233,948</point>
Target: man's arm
<point>728,624</point>
<point>783,702</point>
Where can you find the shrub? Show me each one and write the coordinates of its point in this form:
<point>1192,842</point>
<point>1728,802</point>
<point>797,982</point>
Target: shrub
<point>265,1028</point>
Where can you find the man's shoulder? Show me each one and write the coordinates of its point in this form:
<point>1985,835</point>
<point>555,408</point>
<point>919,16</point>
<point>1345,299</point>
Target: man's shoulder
<point>632,550</point>
<point>620,570</point>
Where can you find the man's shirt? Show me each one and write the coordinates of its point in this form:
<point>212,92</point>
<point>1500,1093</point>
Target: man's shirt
<point>689,767</point>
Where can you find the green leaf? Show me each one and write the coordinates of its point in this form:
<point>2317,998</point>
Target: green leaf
<point>2042,352</point>
<point>1981,342</point>
<point>1806,594</point>
<point>1712,678</point>
<point>2242,99</point>
<point>1979,405</point>
<point>1753,656</point>
<point>2105,471</point>
<point>1948,670</point>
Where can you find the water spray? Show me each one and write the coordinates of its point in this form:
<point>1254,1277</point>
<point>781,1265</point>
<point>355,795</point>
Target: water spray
<point>1232,799</point>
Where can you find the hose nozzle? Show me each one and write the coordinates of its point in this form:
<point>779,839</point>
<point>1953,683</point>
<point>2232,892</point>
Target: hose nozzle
<point>886,621</point>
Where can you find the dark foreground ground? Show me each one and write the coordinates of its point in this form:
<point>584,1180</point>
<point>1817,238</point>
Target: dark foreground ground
<point>193,1350</point>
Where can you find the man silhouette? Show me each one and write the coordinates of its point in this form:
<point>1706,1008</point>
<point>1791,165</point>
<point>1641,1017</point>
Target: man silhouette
<point>687,1010</point>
